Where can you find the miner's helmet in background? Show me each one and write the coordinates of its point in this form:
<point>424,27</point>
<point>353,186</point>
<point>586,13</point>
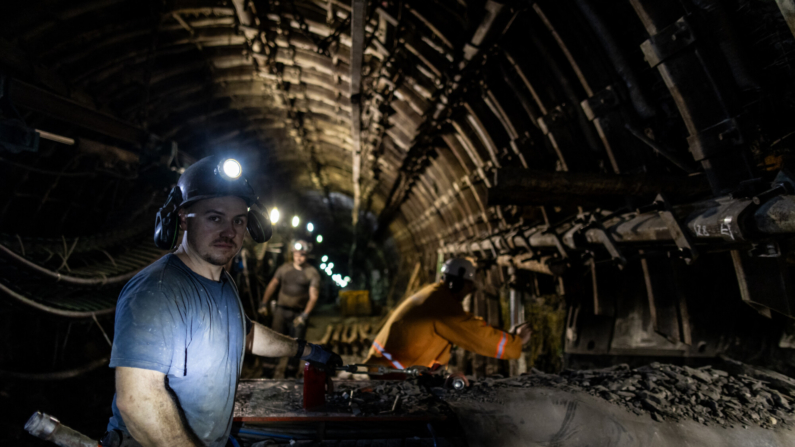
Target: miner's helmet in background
<point>301,246</point>
<point>456,271</point>
<point>208,178</point>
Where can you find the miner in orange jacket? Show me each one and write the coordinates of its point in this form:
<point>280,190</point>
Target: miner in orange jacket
<point>422,330</point>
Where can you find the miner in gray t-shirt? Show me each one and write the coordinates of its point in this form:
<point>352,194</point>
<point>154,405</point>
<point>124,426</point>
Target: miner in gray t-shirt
<point>299,289</point>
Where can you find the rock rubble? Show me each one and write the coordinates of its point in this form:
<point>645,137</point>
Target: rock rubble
<point>667,392</point>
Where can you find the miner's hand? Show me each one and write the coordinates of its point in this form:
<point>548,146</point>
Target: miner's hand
<point>524,333</point>
<point>320,355</point>
<point>299,320</point>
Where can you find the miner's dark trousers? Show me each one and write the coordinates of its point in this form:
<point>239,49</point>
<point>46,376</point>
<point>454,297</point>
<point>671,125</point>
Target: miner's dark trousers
<point>283,323</point>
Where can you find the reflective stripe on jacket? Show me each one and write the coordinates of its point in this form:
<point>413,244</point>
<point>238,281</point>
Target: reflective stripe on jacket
<point>424,327</point>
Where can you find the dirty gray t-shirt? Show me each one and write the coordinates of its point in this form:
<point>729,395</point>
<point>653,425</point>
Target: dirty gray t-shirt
<point>172,320</point>
<point>294,285</point>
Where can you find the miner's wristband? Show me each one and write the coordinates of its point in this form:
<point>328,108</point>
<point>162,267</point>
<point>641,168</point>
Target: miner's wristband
<point>301,346</point>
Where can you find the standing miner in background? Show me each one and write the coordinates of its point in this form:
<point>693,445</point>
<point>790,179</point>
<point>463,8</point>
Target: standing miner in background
<point>181,333</point>
<point>299,289</point>
<point>423,329</point>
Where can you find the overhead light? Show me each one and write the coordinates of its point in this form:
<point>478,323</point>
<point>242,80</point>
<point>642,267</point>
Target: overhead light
<point>319,238</point>
<point>324,258</point>
<point>296,221</point>
<point>274,215</point>
<point>331,265</point>
<point>347,279</point>
<point>309,227</point>
<point>322,266</point>
<point>230,169</point>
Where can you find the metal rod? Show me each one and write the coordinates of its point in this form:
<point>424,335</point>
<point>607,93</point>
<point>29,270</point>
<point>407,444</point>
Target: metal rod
<point>659,149</point>
<point>57,138</point>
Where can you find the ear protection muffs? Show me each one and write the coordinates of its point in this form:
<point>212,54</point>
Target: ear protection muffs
<point>259,225</point>
<point>167,221</point>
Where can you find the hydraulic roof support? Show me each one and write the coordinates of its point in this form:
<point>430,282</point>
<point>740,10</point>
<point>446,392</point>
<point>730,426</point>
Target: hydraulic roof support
<point>357,54</point>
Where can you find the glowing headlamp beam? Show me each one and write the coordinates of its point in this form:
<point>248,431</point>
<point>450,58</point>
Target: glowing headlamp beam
<point>231,169</point>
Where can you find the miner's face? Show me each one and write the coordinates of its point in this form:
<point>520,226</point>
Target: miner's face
<point>299,257</point>
<point>215,228</point>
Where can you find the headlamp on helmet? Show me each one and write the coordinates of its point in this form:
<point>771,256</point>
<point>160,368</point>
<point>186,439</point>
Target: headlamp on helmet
<point>230,169</point>
<point>300,245</point>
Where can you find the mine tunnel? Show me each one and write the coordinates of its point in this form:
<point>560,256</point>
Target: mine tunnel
<point>419,222</point>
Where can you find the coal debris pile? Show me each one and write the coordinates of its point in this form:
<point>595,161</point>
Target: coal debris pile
<point>667,392</point>
<point>402,398</point>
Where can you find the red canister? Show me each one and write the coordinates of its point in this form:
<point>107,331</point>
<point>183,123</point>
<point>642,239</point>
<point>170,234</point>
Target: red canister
<point>314,387</point>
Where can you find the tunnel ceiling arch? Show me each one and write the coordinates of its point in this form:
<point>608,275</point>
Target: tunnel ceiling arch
<point>477,117</point>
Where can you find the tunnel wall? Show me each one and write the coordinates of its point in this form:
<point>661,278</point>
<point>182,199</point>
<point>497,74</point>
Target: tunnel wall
<point>567,146</point>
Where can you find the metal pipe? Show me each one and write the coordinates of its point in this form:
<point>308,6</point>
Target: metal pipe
<point>19,260</point>
<point>51,310</point>
<point>44,426</point>
<point>517,186</point>
<point>616,57</point>
<point>57,138</point>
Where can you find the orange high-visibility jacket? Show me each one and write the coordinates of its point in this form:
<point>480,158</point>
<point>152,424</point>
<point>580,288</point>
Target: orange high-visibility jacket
<point>424,327</point>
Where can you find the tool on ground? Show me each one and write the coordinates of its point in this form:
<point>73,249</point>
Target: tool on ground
<point>44,426</point>
<point>377,370</point>
<point>456,381</point>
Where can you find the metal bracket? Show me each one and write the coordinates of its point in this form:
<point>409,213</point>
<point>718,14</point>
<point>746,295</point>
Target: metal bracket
<point>678,232</point>
<point>554,120</point>
<point>669,41</point>
<point>600,103</point>
<point>558,242</point>
<point>595,223</point>
<point>769,249</point>
<point>526,240</point>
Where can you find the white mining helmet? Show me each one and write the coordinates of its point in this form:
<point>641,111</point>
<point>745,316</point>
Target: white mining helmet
<point>460,268</point>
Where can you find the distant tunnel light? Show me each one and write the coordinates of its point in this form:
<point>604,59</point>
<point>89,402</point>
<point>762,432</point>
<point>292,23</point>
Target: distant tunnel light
<point>231,169</point>
<point>296,221</point>
<point>274,215</point>
<point>324,258</point>
<point>322,266</point>
<point>319,239</point>
<point>309,227</point>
